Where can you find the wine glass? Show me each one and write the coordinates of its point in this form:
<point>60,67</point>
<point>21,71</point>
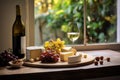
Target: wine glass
<point>73,32</point>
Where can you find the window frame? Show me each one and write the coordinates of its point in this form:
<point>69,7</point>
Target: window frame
<point>29,22</point>
<point>85,46</point>
<point>118,21</point>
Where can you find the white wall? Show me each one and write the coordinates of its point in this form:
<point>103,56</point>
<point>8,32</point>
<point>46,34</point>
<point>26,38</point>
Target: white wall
<point>7,18</point>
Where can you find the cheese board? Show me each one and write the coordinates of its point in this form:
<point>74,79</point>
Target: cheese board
<point>84,61</point>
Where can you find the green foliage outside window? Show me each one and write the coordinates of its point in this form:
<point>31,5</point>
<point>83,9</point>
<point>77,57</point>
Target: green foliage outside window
<point>101,20</point>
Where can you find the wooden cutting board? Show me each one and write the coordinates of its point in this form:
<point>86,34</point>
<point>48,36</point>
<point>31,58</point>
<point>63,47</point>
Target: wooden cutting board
<point>84,61</point>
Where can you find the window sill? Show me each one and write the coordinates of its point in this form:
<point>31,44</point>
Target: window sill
<point>101,46</point>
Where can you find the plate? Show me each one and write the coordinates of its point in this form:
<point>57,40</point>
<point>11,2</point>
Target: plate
<point>84,61</point>
<point>16,65</point>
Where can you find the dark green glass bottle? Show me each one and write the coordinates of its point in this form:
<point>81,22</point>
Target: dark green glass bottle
<point>18,35</point>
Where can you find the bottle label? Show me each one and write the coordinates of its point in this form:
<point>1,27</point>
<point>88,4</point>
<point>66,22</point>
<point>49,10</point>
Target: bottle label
<point>23,44</point>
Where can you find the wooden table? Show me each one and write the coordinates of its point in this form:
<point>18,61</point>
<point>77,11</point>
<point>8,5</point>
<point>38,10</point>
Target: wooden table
<point>111,68</point>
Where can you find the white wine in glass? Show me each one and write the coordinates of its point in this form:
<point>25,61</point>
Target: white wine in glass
<point>73,32</point>
<point>73,36</point>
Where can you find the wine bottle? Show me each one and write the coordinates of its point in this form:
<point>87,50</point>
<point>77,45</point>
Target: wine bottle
<point>18,35</point>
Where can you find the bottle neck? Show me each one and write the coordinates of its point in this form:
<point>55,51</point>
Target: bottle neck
<point>18,17</point>
<point>17,10</point>
<point>18,14</point>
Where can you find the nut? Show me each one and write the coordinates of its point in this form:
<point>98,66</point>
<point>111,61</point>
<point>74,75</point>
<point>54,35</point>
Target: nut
<point>31,60</point>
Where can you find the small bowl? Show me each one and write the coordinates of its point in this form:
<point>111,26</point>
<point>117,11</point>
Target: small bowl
<point>16,64</point>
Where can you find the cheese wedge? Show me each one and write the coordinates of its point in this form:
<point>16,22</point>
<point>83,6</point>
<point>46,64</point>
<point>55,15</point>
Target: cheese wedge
<point>33,52</point>
<point>64,56</point>
<point>75,58</point>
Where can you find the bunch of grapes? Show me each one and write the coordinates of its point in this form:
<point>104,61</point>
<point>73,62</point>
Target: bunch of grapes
<point>55,45</point>
<point>49,57</point>
<point>5,57</point>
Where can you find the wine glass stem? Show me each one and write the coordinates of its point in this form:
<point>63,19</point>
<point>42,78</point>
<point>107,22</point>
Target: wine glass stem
<point>73,42</point>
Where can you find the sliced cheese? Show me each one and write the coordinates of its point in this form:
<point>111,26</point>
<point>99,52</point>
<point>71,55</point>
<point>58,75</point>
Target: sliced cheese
<point>69,49</point>
<point>64,55</point>
<point>66,49</point>
<point>75,58</point>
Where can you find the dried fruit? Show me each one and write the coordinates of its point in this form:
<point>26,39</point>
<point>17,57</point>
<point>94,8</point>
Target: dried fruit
<point>108,59</point>
<point>97,58</point>
<point>101,57</point>
<point>96,63</point>
<point>101,62</point>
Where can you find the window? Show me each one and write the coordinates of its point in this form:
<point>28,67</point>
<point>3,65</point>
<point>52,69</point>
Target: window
<point>53,18</point>
<point>101,21</point>
<point>105,9</point>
